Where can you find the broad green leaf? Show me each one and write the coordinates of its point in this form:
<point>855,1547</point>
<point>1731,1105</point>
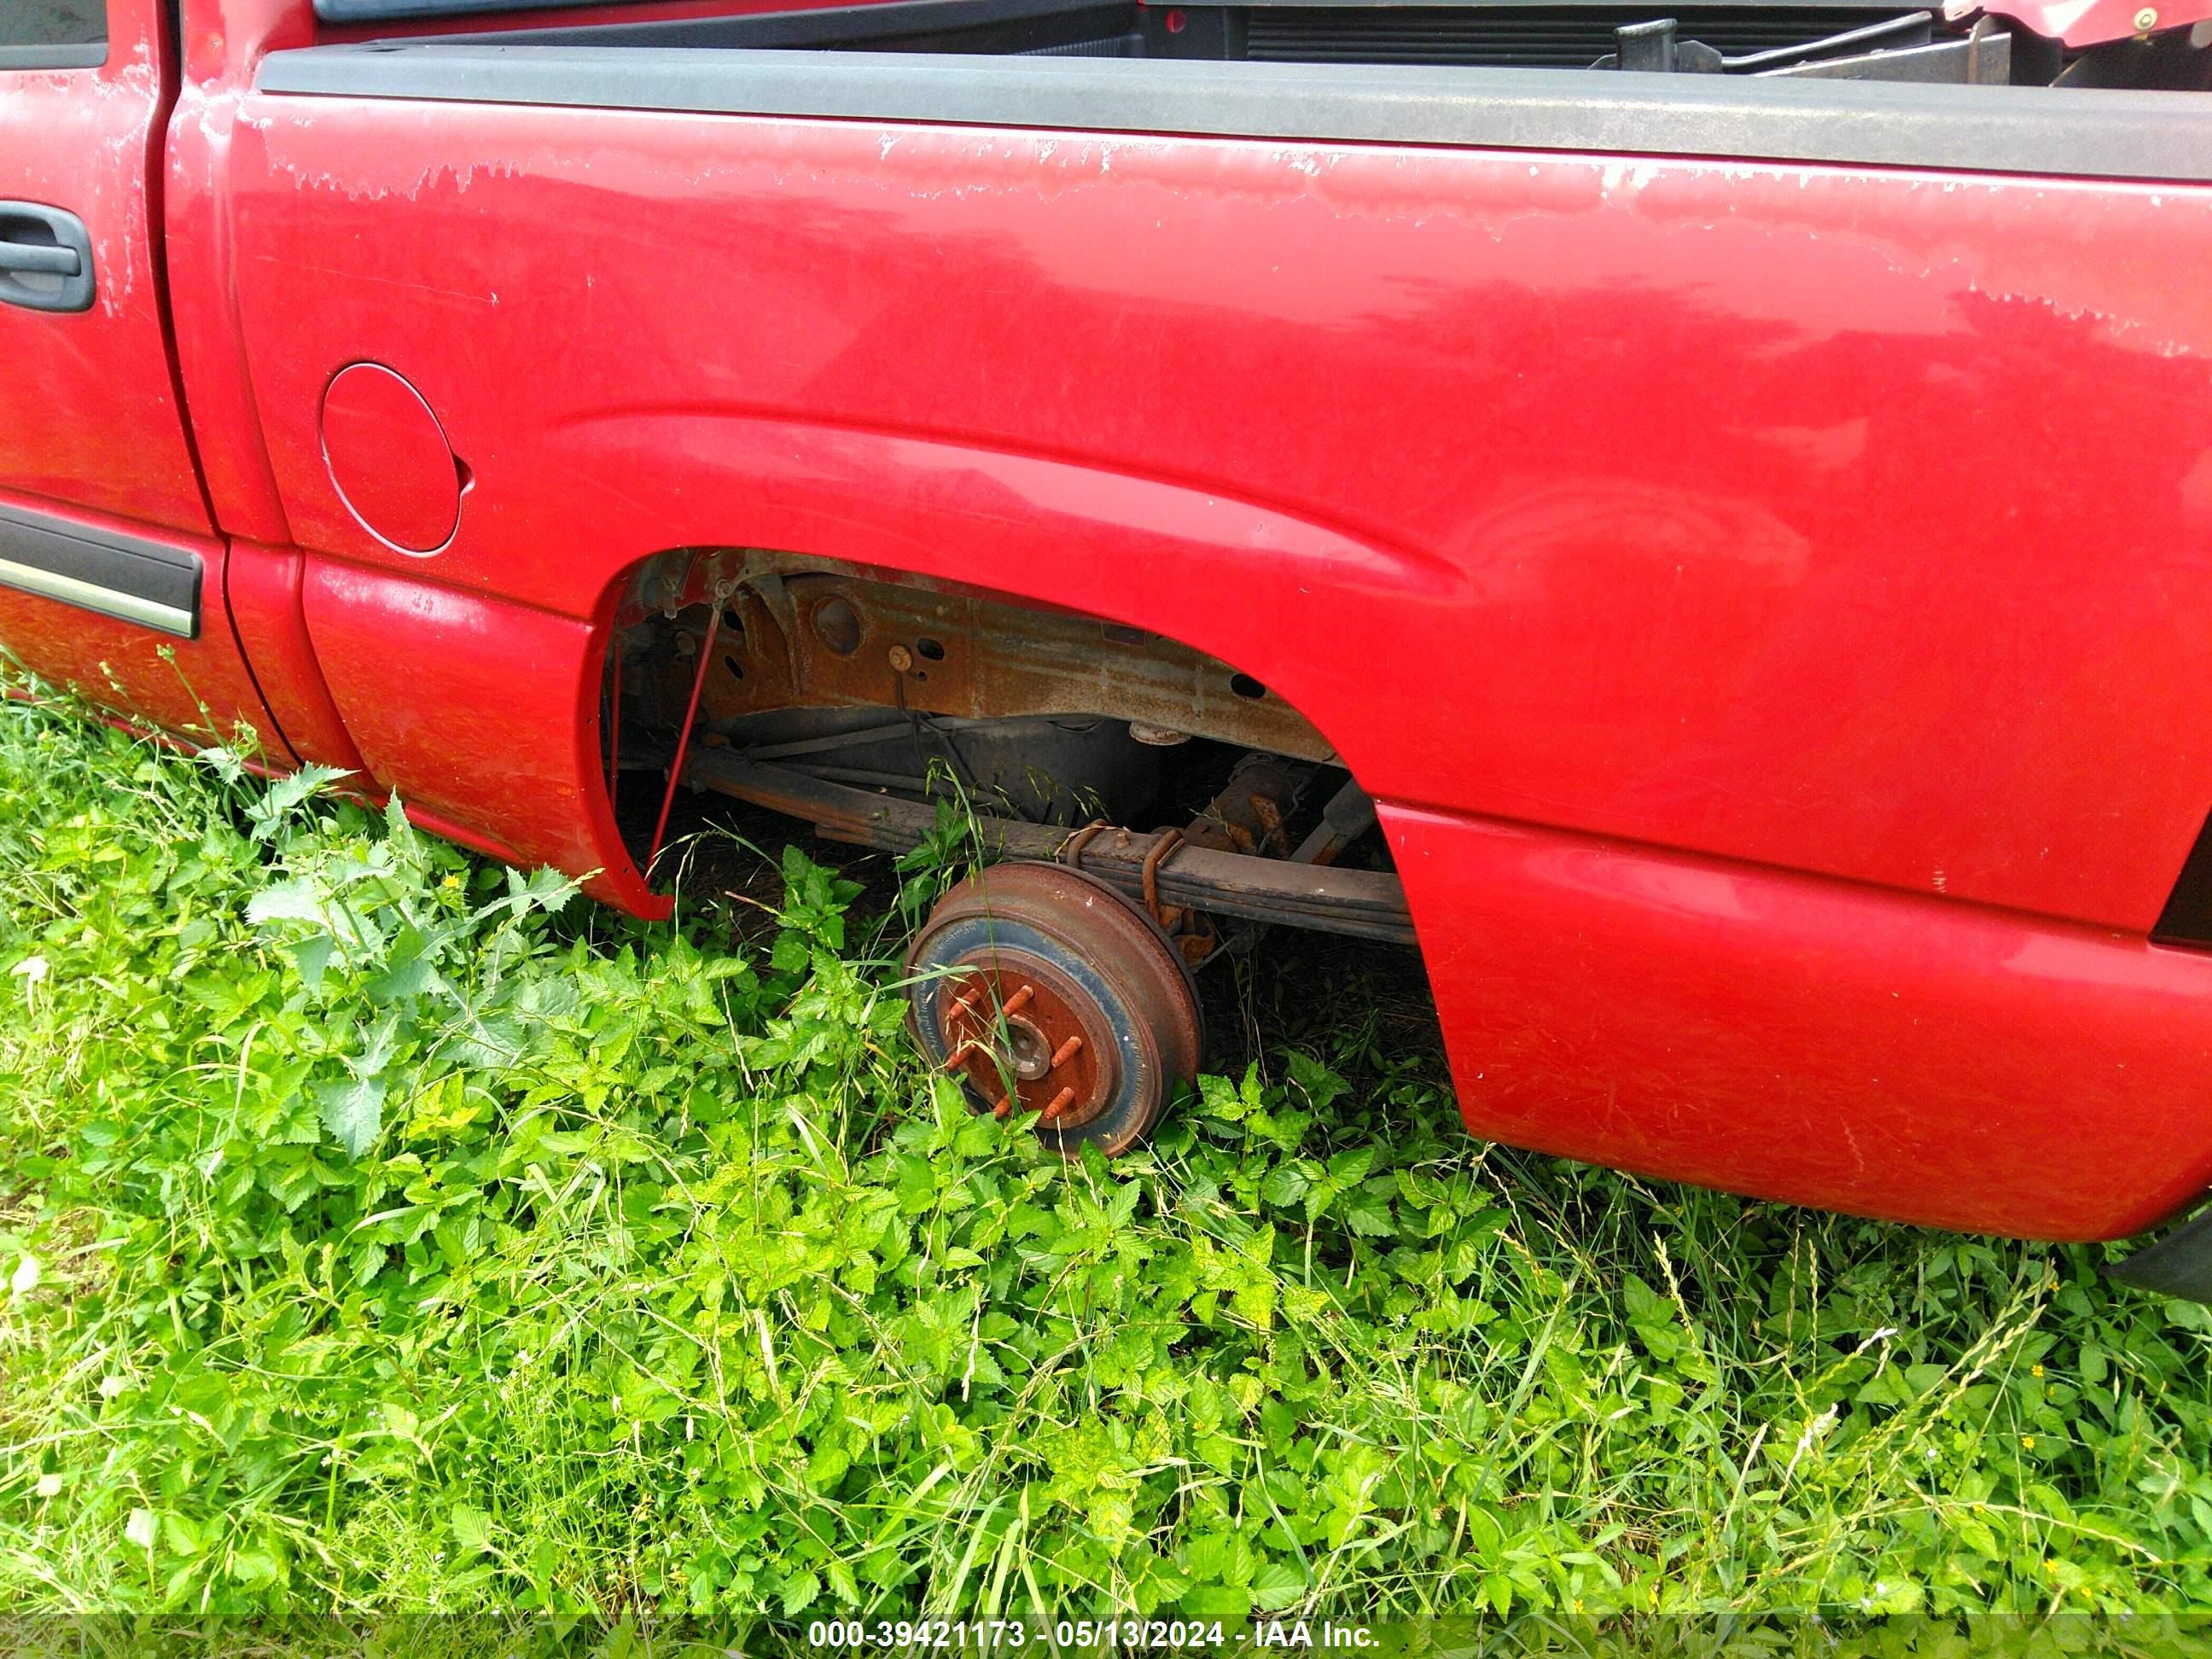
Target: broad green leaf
<point>352,1111</point>
<point>1277,1585</point>
<point>472,1529</point>
<point>296,900</point>
<point>312,955</point>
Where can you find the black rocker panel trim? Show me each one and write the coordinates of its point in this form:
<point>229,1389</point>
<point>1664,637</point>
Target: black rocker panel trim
<point>114,575</point>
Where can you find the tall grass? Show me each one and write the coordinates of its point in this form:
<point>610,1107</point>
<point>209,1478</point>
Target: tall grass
<point>383,1233</point>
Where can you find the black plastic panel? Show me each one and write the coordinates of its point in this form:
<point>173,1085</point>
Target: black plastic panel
<point>2179,1265</point>
<point>979,26</point>
<point>52,33</point>
<point>2187,918</point>
<point>141,582</point>
<point>1555,36</point>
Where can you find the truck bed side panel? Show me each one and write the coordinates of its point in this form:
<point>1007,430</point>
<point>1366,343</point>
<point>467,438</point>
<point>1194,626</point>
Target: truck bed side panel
<point>1858,522</point>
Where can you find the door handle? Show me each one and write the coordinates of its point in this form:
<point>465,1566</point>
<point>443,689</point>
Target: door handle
<point>46,258</point>
<point>27,256</point>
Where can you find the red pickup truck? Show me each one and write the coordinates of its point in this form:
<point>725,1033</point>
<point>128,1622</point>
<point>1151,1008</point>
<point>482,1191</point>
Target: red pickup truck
<point>1700,520</point>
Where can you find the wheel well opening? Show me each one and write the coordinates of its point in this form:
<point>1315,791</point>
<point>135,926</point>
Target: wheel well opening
<point>859,701</point>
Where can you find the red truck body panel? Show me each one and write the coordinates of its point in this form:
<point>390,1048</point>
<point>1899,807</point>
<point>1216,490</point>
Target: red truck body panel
<point>91,430</point>
<point>1860,1049</point>
<point>105,432</point>
<point>2086,22</point>
<point>1592,495</point>
<point>1771,603</point>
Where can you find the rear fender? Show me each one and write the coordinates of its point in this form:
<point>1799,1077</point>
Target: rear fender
<point>497,727</point>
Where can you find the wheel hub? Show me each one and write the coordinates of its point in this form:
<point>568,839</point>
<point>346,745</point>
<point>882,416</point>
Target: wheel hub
<point>1016,1030</point>
<point>1043,990</point>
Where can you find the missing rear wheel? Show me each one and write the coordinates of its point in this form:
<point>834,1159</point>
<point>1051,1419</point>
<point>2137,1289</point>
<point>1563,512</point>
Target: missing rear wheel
<point>1045,990</point>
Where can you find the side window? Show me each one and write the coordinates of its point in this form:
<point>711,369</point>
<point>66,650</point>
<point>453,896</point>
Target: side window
<point>52,33</point>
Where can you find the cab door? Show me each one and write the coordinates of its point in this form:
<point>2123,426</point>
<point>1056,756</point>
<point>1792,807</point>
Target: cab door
<point>111,574</point>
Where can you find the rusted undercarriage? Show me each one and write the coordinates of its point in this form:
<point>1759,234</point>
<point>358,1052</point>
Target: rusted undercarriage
<point>1184,876</point>
<point>796,635</point>
<point>856,700</point>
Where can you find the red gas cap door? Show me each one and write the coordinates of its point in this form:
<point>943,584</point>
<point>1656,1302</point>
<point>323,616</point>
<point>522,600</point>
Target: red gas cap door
<point>389,459</point>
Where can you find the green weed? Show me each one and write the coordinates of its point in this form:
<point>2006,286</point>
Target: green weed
<point>386,1233</point>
